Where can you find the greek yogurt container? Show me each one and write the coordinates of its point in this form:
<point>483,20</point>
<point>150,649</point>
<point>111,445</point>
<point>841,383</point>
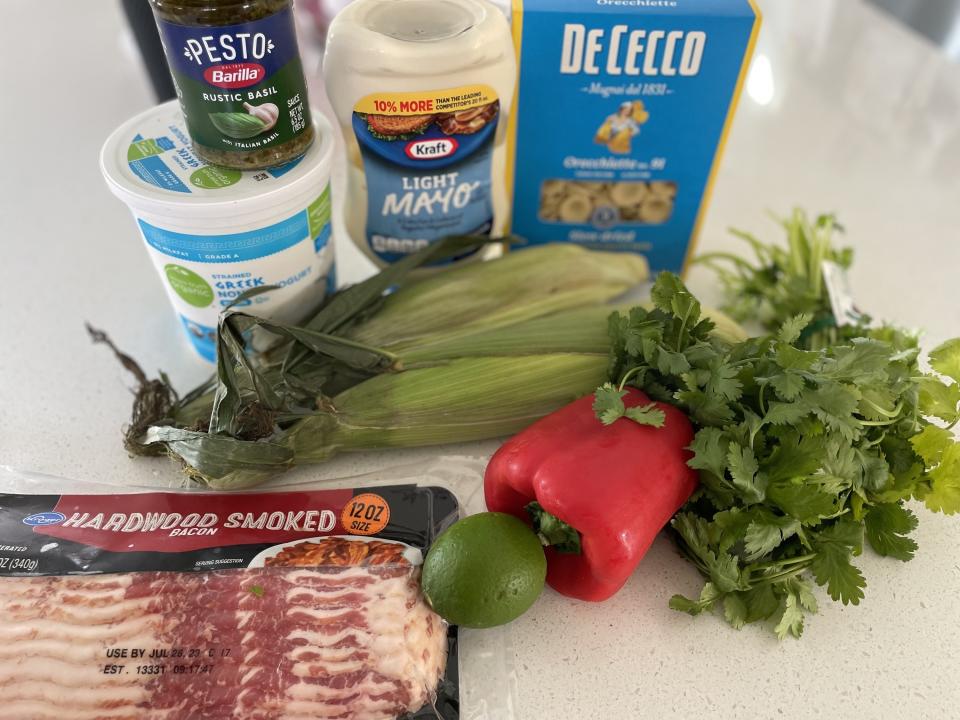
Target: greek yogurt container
<point>214,233</point>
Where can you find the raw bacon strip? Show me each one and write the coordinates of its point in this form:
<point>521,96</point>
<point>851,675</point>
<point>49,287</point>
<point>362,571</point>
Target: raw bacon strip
<point>342,642</point>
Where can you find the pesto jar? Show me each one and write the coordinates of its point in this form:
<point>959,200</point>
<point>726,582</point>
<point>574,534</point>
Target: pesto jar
<point>238,76</point>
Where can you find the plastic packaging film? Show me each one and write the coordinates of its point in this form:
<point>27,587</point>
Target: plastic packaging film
<point>304,602</point>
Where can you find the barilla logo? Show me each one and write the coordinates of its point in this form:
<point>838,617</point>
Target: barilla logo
<point>44,519</point>
<point>626,52</point>
<point>431,149</point>
<point>235,75</point>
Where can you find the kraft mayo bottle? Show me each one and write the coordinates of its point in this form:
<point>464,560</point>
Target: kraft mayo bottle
<point>422,90</point>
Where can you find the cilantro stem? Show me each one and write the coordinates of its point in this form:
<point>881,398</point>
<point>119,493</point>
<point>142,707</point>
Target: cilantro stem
<point>627,375</point>
<point>878,423</point>
<point>780,563</point>
<point>777,577</point>
<point>874,443</point>
<point>708,258</point>
<point>883,411</point>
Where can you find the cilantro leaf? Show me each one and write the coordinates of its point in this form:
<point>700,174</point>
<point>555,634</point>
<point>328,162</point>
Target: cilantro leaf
<point>722,380</point>
<point>930,443</point>
<point>743,469</point>
<point>639,329</point>
<point>766,533</point>
<point>257,590</point>
<point>791,621</point>
<point>762,602</point>
<point>671,362</point>
<point>705,409</point>
<point>786,413</point>
<point>875,471</point>
<point>735,610</point>
<point>801,588</point>
<point>794,457</point>
<point>709,451</point>
<point>834,403</point>
<point>944,493</point>
<point>863,360</point>
<point>945,359</point>
<point>790,358</point>
<point>792,327</point>
<point>832,566</point>
<point>646,415</point>
<point>788,385</point>
<point>939,400</point>
<point>843,532</point>
<point>725,572</point>
<point>887,527</point>
<point>802,499</point>
<point>608,403</point>
<point>708,596</point>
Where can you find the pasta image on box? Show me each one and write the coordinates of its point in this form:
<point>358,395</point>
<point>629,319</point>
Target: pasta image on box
<point>621,114</point>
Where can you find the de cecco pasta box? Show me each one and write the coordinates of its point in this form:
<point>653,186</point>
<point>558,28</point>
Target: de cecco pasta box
<point>622,111</point>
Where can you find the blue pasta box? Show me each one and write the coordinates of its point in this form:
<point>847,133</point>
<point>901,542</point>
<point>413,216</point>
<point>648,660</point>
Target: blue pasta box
<point>622,110</point>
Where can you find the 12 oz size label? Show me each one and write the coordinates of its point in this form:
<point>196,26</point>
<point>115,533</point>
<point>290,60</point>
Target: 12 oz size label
<point>241,86</point>
<point>366,514</point>
<point>427,160</point>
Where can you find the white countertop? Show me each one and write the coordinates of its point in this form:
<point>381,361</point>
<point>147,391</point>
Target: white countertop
<point>857,115</point>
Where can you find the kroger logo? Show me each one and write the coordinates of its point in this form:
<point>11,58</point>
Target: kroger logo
<point>44,518</point>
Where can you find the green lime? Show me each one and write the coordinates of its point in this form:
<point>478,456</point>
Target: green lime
<point>485,570</point>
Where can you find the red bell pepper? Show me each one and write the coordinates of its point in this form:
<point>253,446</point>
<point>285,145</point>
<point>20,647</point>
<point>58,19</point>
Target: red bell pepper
<point>616,485</point>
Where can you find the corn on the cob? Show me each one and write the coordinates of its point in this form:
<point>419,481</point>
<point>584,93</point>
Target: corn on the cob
<point>519,286</point>
<point>474,352</point>
<point>463,400</point>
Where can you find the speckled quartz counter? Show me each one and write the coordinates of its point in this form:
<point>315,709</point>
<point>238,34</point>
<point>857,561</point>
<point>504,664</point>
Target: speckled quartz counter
<point>844,111</point>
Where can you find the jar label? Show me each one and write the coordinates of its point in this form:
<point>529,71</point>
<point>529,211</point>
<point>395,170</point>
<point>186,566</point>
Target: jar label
<point>241,87</point>
<point>427,161</point>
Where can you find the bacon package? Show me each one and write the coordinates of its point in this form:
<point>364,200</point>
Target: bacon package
<point>253,606</point>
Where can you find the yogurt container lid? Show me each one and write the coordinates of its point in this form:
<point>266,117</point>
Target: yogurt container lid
<point>149,163</point>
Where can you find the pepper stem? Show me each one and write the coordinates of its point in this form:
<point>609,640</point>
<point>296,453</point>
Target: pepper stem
<point>553,531</point>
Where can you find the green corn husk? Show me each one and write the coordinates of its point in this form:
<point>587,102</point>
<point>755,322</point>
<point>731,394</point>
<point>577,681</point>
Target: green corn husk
<point>462,400</point>
<point>466,399</point>
<point>582,330</point>
<point>577,331</point>
<point>519,286</point>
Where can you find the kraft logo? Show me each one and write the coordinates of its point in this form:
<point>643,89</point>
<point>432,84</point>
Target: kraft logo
<point>44,518</point>
<point>431,149</point>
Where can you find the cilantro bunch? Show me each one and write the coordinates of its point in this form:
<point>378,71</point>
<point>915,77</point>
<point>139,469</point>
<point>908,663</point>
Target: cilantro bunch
<point>781,281</point>
<point>805,455</point>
